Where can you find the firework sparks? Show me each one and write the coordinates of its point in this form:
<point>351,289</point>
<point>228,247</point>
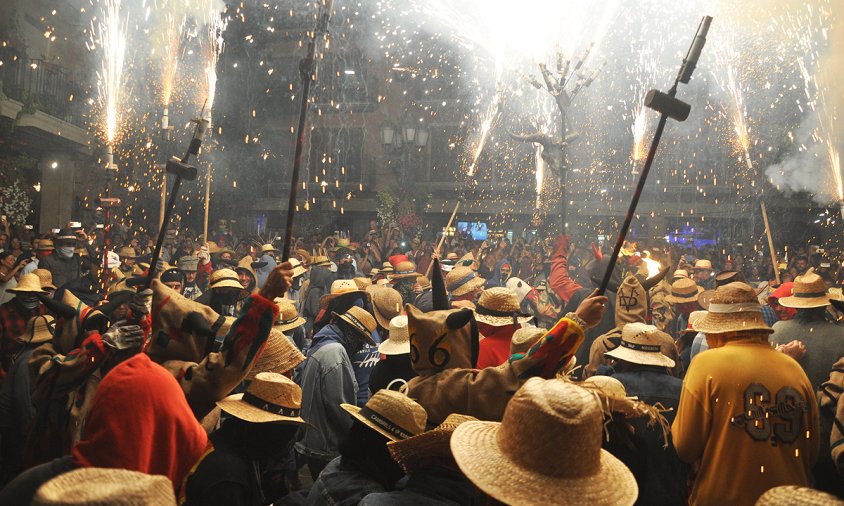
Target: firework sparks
<point>216,44</point>
<point>110,36</point>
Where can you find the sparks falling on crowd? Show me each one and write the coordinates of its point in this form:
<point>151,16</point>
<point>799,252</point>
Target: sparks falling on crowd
<point>421,252</point>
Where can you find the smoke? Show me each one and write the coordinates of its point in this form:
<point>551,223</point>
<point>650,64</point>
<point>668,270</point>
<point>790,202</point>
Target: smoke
<point>812,163</point>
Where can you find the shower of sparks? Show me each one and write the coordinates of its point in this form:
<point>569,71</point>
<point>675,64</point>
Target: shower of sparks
<point>110,38</point>
<point>216,44</point>
<point>173,36</point>
<point>640,128</point>
<point>493,115</point>
<point>739,113</point>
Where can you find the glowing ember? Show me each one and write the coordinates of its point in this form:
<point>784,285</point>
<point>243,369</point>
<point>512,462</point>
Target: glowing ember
<point>111,38</point>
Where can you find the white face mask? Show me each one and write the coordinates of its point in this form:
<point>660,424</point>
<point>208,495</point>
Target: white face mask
<point>66,251</point>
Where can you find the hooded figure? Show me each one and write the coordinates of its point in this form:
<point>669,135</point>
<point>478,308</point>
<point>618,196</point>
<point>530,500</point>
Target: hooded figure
<point>631,306</point>
<point>319,285</point>
<point>444,352</point>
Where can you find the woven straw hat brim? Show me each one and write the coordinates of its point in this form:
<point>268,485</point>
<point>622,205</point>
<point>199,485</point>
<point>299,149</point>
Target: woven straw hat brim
<point>329,297</point>
<point>501,321</point>
<point>404,276</point>
<point>298,271</point>
<point>692,297</point>
<point>475,448</point>
<point>280,359</point>
<point>226,283</point>
<point>393,347</point>
<point>640,357</point>
<point>803,302</point>
<point>355,412</point>
<point>789,495</point>
<point>367,337</point>
<point>429,444</point>
<point>295,324</point>
<point>91,485</point>
<point>235,406</point>
<point>470,286</point>
<point>720,323</point>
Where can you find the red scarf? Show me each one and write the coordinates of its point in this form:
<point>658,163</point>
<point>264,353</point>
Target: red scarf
<point>140,420</point>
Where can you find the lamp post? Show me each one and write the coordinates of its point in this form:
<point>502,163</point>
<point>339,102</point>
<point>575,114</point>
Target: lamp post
<point>402,141</point>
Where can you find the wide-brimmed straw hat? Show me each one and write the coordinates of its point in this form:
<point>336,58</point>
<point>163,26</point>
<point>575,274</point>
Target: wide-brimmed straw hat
<point>224,278</point>
<point>361,321</point>
<point>127,252</point>
<point>614,399</point>
<point>640,344</point>
<point>703,264</point>
<point>694,316</point>
<point>510,463</point>
<point>387,268</point>
<point>362,283</point>
<point>683,290</point>
<point>338,288</point>
<point>46,278</point>
<point>271,397</point>
<point>793,495</point>
<point>404,270</point>
<point>288,315</point>
<point>809,291</point>
<point>423,282</point>
<point>39,329</point>
<point>268,248</point>
<point>28,283</point>
<point>462,280</point>
<point>280,355</point>
<point>499,306</point>
<point>391,414</point>
<point>733,308</point>
<point>94,486</point>
<point>319,260</point>
<point>435,444</point>
<point>398,342</point>
<point>298,268</point>
<point>386,304</point>
<point>681,273</point>
<point>524,338</point>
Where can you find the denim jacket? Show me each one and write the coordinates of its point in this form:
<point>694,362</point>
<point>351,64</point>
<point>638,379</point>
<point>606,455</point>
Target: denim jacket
<point>342,484</point>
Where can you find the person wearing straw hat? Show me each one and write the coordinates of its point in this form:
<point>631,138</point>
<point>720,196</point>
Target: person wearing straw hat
<point>502,460</point>
<point>395,369</point>
<point>290,322</point>
<point>65,264</point>
<point>464,286</point>
<point>684,299</point>
<point>299,279</point>
<point>46,281</point>
<point>262,425</point>
<point>93,486</point>
<point>404,280</point>
<point>328,379</point>
<point>223,291</point>
<point>319,284</point>
<point>643,370</point>
<point>189,266</point>
<point>127,259</point>
<point>831,407</point>
<point>704,274</point>
<point>16,409</point>
<point>738,420</point>
<point>364,465</point>
<point>499,315</point>
<point>422,289</point>
<point>15,314</point>
<point>823,340</point>
<point>432,474</point>
<point>267,255</point>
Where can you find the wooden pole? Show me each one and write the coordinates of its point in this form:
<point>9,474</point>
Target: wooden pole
<point>442,239</point>
<point>207,204</point>
<point>163,199</point>
<point>770,243</point>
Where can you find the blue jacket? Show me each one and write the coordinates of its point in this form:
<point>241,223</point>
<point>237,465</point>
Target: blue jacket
<point>363,362</point>
<point>666,477</point>
<point>342,484</point>
<point>327,380</point>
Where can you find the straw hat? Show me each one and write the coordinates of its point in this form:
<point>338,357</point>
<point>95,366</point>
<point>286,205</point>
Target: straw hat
<point>298,268</point>
<point>386,304</point>
<point>734,308</point>
<point>703,265</point>
<point>423,282</point>
<point>694,316</point>
<point>270,397</point>
<point>524,338</point>
<point>46,278</point>
<point>67,234</point>
<point>792,495</point>
<point>288,315</point>
<point>809,291</point>
<point>39,329</point>
<point>681,273</point>
<point>405,269</point>
<point>640,344</point>
<point>268,248</point>
<point>391,414</point>
<point>320,260</point>
<point>412,452</point>
<point>280,355</point>
<point>373,272</point>
<point>362,283</point>
<point>361,321</point>
<point>224,278</point>
<point>382,282</point>
<point>45,245</point>
<point>724,277</point>
<point>468,260</point>
<point>29,283</point>
<point>96,486</point>
<point>683,290</point>
<point>387,268</point>
<point>245,264</point>
<point>462,280</point>
<point>127,252</point>
<point>499,306</point>
<point>341,287</point>
<point>521,288</point>
<point>398,342</point>
<point>614,399</point>
<point>517,460</point>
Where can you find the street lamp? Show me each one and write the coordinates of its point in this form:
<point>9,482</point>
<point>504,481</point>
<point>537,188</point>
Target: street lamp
<point>388,134</point>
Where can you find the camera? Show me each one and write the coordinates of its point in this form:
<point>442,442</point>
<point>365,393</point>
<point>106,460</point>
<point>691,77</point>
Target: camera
<point>75,224</point>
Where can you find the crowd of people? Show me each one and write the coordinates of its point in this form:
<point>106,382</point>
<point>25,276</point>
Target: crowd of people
<point>393,370</point>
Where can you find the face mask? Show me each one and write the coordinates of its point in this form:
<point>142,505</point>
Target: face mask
<point>66,251</point>
<point>28,301</point>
